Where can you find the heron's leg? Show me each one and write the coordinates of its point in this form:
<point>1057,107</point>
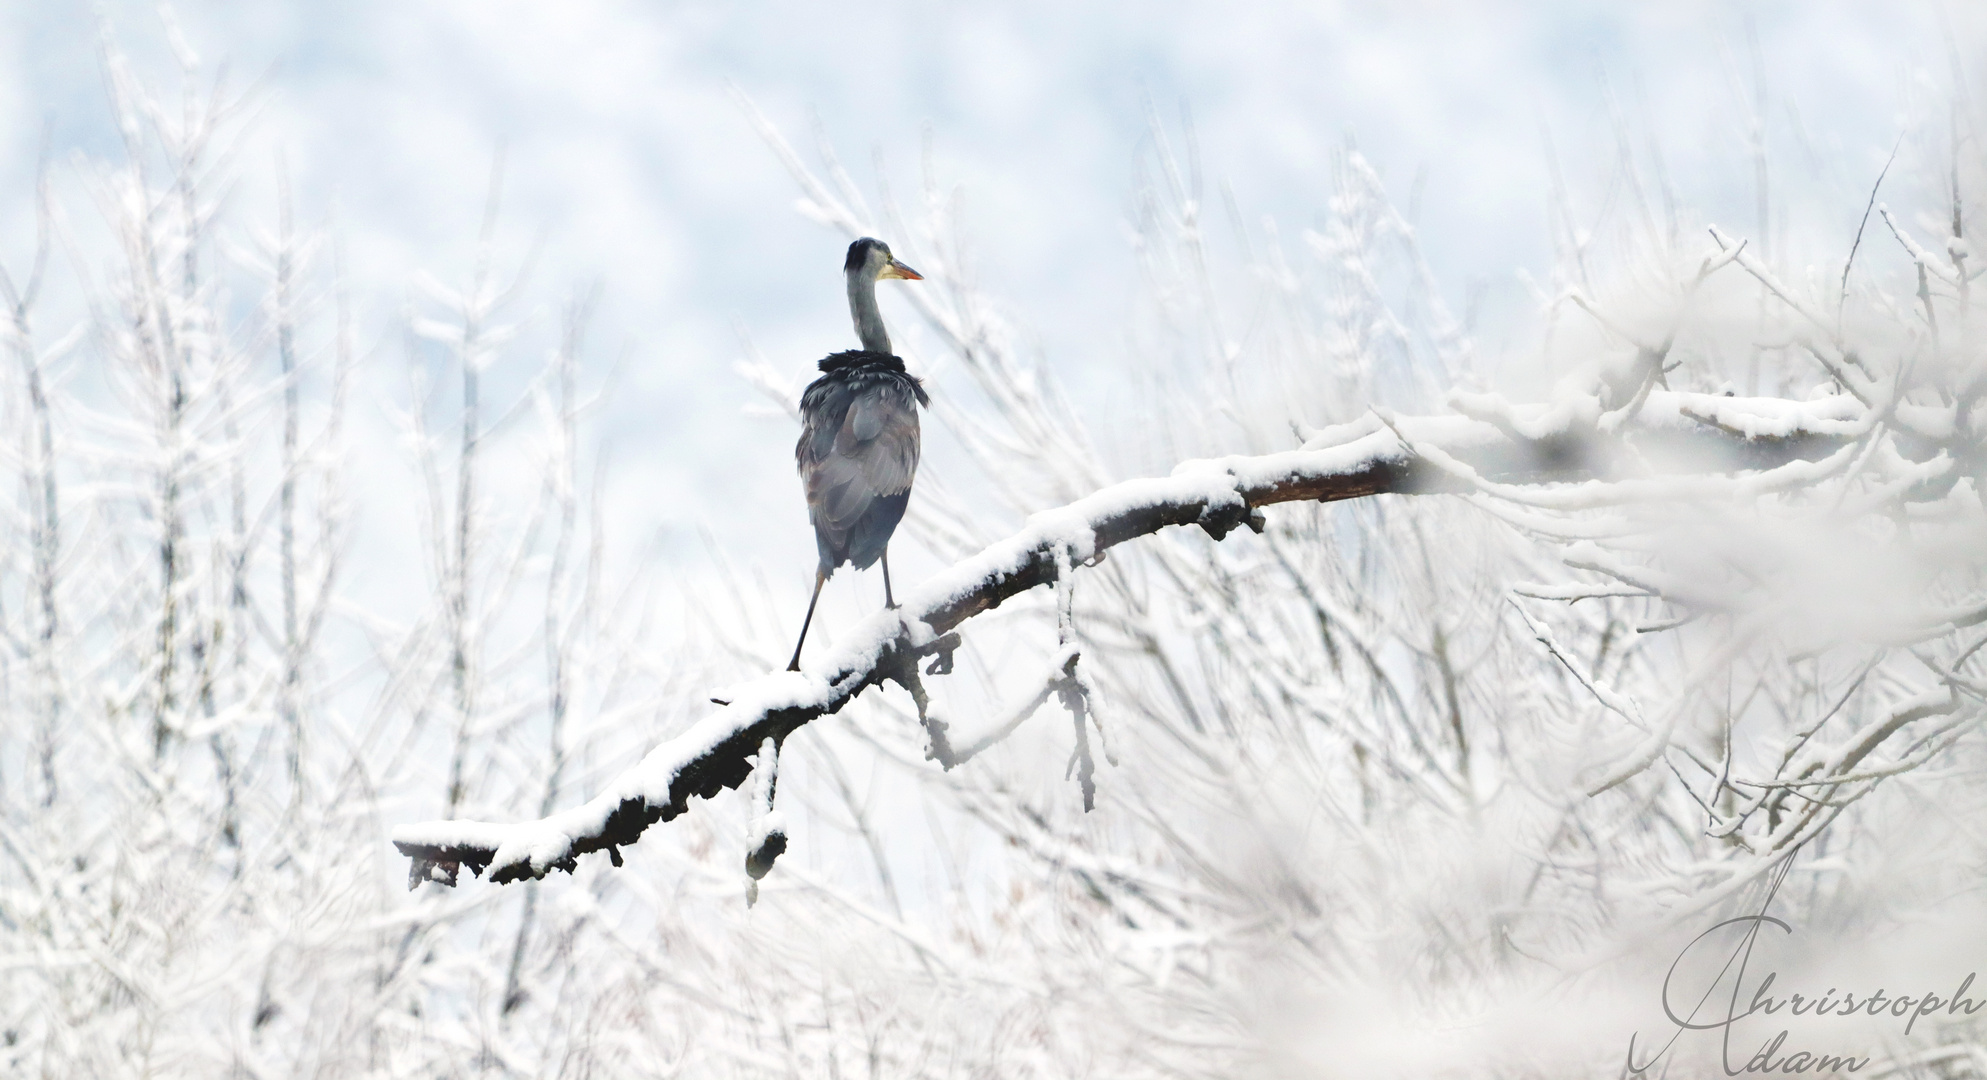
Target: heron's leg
<point>889,601</point>
<point>820,578</point>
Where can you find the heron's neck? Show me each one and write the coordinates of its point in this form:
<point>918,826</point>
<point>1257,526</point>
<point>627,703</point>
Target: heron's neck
<point>862,307</point>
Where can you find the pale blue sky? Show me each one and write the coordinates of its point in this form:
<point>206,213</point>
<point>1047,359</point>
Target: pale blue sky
<point>627,152</point>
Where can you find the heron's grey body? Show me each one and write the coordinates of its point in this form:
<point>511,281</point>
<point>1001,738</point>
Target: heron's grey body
<point>858,448</point>
<point>858,453</point>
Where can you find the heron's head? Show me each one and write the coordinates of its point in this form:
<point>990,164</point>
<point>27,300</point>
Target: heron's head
<point>871,259</point>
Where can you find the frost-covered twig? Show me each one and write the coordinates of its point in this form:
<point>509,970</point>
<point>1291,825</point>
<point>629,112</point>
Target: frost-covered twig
<point>45,527</point>
<point>766,834</point>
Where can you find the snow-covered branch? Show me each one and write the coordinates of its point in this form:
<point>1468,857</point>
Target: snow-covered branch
<point>1401,455</point>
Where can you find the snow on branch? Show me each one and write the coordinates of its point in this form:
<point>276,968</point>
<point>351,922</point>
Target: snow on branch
<point>1403,455</point>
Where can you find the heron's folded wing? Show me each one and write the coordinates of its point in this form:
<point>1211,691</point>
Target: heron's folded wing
<point>880,436</point>
<point>839,493</point>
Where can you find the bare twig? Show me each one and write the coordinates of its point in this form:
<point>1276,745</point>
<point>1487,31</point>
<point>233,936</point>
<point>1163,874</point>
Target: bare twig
<point>1860,225</point>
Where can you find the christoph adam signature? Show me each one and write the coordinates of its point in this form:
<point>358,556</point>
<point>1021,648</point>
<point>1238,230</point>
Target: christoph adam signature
<point>1688,1002</point>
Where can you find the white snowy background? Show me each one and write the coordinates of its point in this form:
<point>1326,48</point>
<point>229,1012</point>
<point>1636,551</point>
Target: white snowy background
<point>1103,189</point>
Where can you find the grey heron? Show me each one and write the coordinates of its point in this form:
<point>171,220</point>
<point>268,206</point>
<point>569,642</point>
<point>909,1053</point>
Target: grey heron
<point>858,448</point>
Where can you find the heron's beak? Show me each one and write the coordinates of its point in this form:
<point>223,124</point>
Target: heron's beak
<point>898,270</point>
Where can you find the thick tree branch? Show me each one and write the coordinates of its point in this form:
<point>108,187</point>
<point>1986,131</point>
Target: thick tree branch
<point>1673,434</point>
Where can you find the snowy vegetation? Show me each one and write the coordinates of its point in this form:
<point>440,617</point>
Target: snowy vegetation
<point>1416,784</point>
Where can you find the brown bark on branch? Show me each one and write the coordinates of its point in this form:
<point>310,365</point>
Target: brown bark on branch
<point>1673,433</point>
